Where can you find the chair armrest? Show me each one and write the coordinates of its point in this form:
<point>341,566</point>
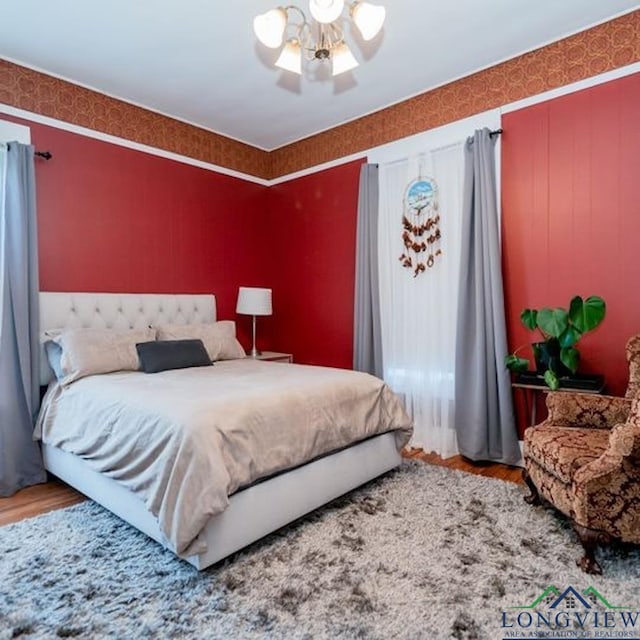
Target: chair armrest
<point>606,490</point>
<point>624,441</point>
<point>586,410</point>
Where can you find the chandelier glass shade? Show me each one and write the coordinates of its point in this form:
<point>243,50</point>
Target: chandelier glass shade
<point>326,11</point>
<point>319,39</point>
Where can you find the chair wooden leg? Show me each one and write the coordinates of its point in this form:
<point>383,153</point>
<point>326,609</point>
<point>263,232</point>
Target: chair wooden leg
<point>534,497</point>
<point>590,539</point>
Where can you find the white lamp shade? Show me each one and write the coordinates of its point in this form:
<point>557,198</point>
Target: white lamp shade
<point>343,59</point>
<point>269,27</point>
<point>253,301</point>
<point>326,11</point>
<point>290,59</point>
<point>369,19</point>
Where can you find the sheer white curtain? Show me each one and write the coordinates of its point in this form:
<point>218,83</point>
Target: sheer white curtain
<point>418,320</point>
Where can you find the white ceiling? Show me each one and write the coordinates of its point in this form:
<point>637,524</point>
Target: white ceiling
<point>198,60</point>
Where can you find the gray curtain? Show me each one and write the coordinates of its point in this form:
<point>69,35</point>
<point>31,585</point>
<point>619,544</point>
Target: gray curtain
<point>484,415</point>
<point>367,344</point>
<point>20,459</point>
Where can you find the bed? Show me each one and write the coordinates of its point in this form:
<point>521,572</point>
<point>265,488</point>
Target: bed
<point>251,511</point>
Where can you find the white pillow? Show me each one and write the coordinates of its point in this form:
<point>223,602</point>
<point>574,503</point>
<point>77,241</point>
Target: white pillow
<point>219,338</point>
<point>86,352</point>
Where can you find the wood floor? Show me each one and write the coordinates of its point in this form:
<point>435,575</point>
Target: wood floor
<point>487,469</point>
<point>37,499</point>
<point>55,494</point>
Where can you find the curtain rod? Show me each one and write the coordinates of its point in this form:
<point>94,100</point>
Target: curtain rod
<point>495,132</point>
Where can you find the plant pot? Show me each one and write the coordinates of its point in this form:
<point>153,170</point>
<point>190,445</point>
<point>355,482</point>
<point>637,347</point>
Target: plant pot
<point>547,356</point>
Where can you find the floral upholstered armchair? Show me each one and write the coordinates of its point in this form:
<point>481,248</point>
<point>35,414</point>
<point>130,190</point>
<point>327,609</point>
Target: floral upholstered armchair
<point>585,460</point>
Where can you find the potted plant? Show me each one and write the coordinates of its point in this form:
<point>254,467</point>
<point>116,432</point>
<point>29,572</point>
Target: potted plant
<point>556,355</point>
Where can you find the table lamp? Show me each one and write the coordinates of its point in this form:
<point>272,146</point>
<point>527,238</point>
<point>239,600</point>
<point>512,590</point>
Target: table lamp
<point>253,301</point>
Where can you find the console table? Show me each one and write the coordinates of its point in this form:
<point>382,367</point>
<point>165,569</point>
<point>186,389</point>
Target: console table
<point>533,384</point>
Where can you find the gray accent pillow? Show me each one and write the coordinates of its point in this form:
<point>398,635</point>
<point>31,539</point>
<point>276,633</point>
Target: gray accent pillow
<point>158,356</point>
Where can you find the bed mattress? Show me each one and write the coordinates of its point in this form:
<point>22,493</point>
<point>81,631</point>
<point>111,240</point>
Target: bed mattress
<point>185,440</point>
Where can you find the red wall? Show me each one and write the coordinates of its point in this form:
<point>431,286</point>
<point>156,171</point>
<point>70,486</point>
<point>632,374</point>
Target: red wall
<point>571,215</point>
<point>312,261</point>
<point>115,219</point>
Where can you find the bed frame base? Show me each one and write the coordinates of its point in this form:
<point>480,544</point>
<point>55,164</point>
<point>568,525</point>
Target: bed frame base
<point>253,512</point>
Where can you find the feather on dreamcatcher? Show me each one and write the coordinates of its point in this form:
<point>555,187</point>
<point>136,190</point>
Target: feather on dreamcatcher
<point>420,225</point>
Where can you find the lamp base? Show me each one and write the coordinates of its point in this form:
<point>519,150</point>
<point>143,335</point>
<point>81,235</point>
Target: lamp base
<point>254,353</point>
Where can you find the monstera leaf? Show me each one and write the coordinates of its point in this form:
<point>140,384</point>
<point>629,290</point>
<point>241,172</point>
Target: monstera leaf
<point>529,318</point>
<point>586,315</point>
<point>553,322</point>
<point>515,363</point>
<point>570,358</point>
<point>552,380</point>
<point>569,337</point>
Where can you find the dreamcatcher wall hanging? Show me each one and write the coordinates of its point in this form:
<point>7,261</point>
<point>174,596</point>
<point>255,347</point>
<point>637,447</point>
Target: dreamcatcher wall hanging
<point>420,231</point>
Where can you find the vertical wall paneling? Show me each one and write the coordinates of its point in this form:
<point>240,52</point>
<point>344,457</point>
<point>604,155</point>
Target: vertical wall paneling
<point>312,256</point>
<point>115,219</point>
<point>571,217</point>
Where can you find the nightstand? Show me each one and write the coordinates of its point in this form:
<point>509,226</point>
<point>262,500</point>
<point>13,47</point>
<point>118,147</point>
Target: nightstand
<point>274,356</point>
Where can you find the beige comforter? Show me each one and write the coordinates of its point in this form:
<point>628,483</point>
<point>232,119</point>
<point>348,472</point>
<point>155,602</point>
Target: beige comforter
<point>185,440</point>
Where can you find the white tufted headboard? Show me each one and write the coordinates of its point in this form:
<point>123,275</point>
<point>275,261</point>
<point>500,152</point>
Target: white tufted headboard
<point>119,311</point>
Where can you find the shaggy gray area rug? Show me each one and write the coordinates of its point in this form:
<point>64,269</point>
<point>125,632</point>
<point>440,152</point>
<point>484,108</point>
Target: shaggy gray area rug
<point>423,552</point>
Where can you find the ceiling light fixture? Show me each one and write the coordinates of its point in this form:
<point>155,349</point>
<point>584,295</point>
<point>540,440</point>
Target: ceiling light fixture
<point>321,39</point>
